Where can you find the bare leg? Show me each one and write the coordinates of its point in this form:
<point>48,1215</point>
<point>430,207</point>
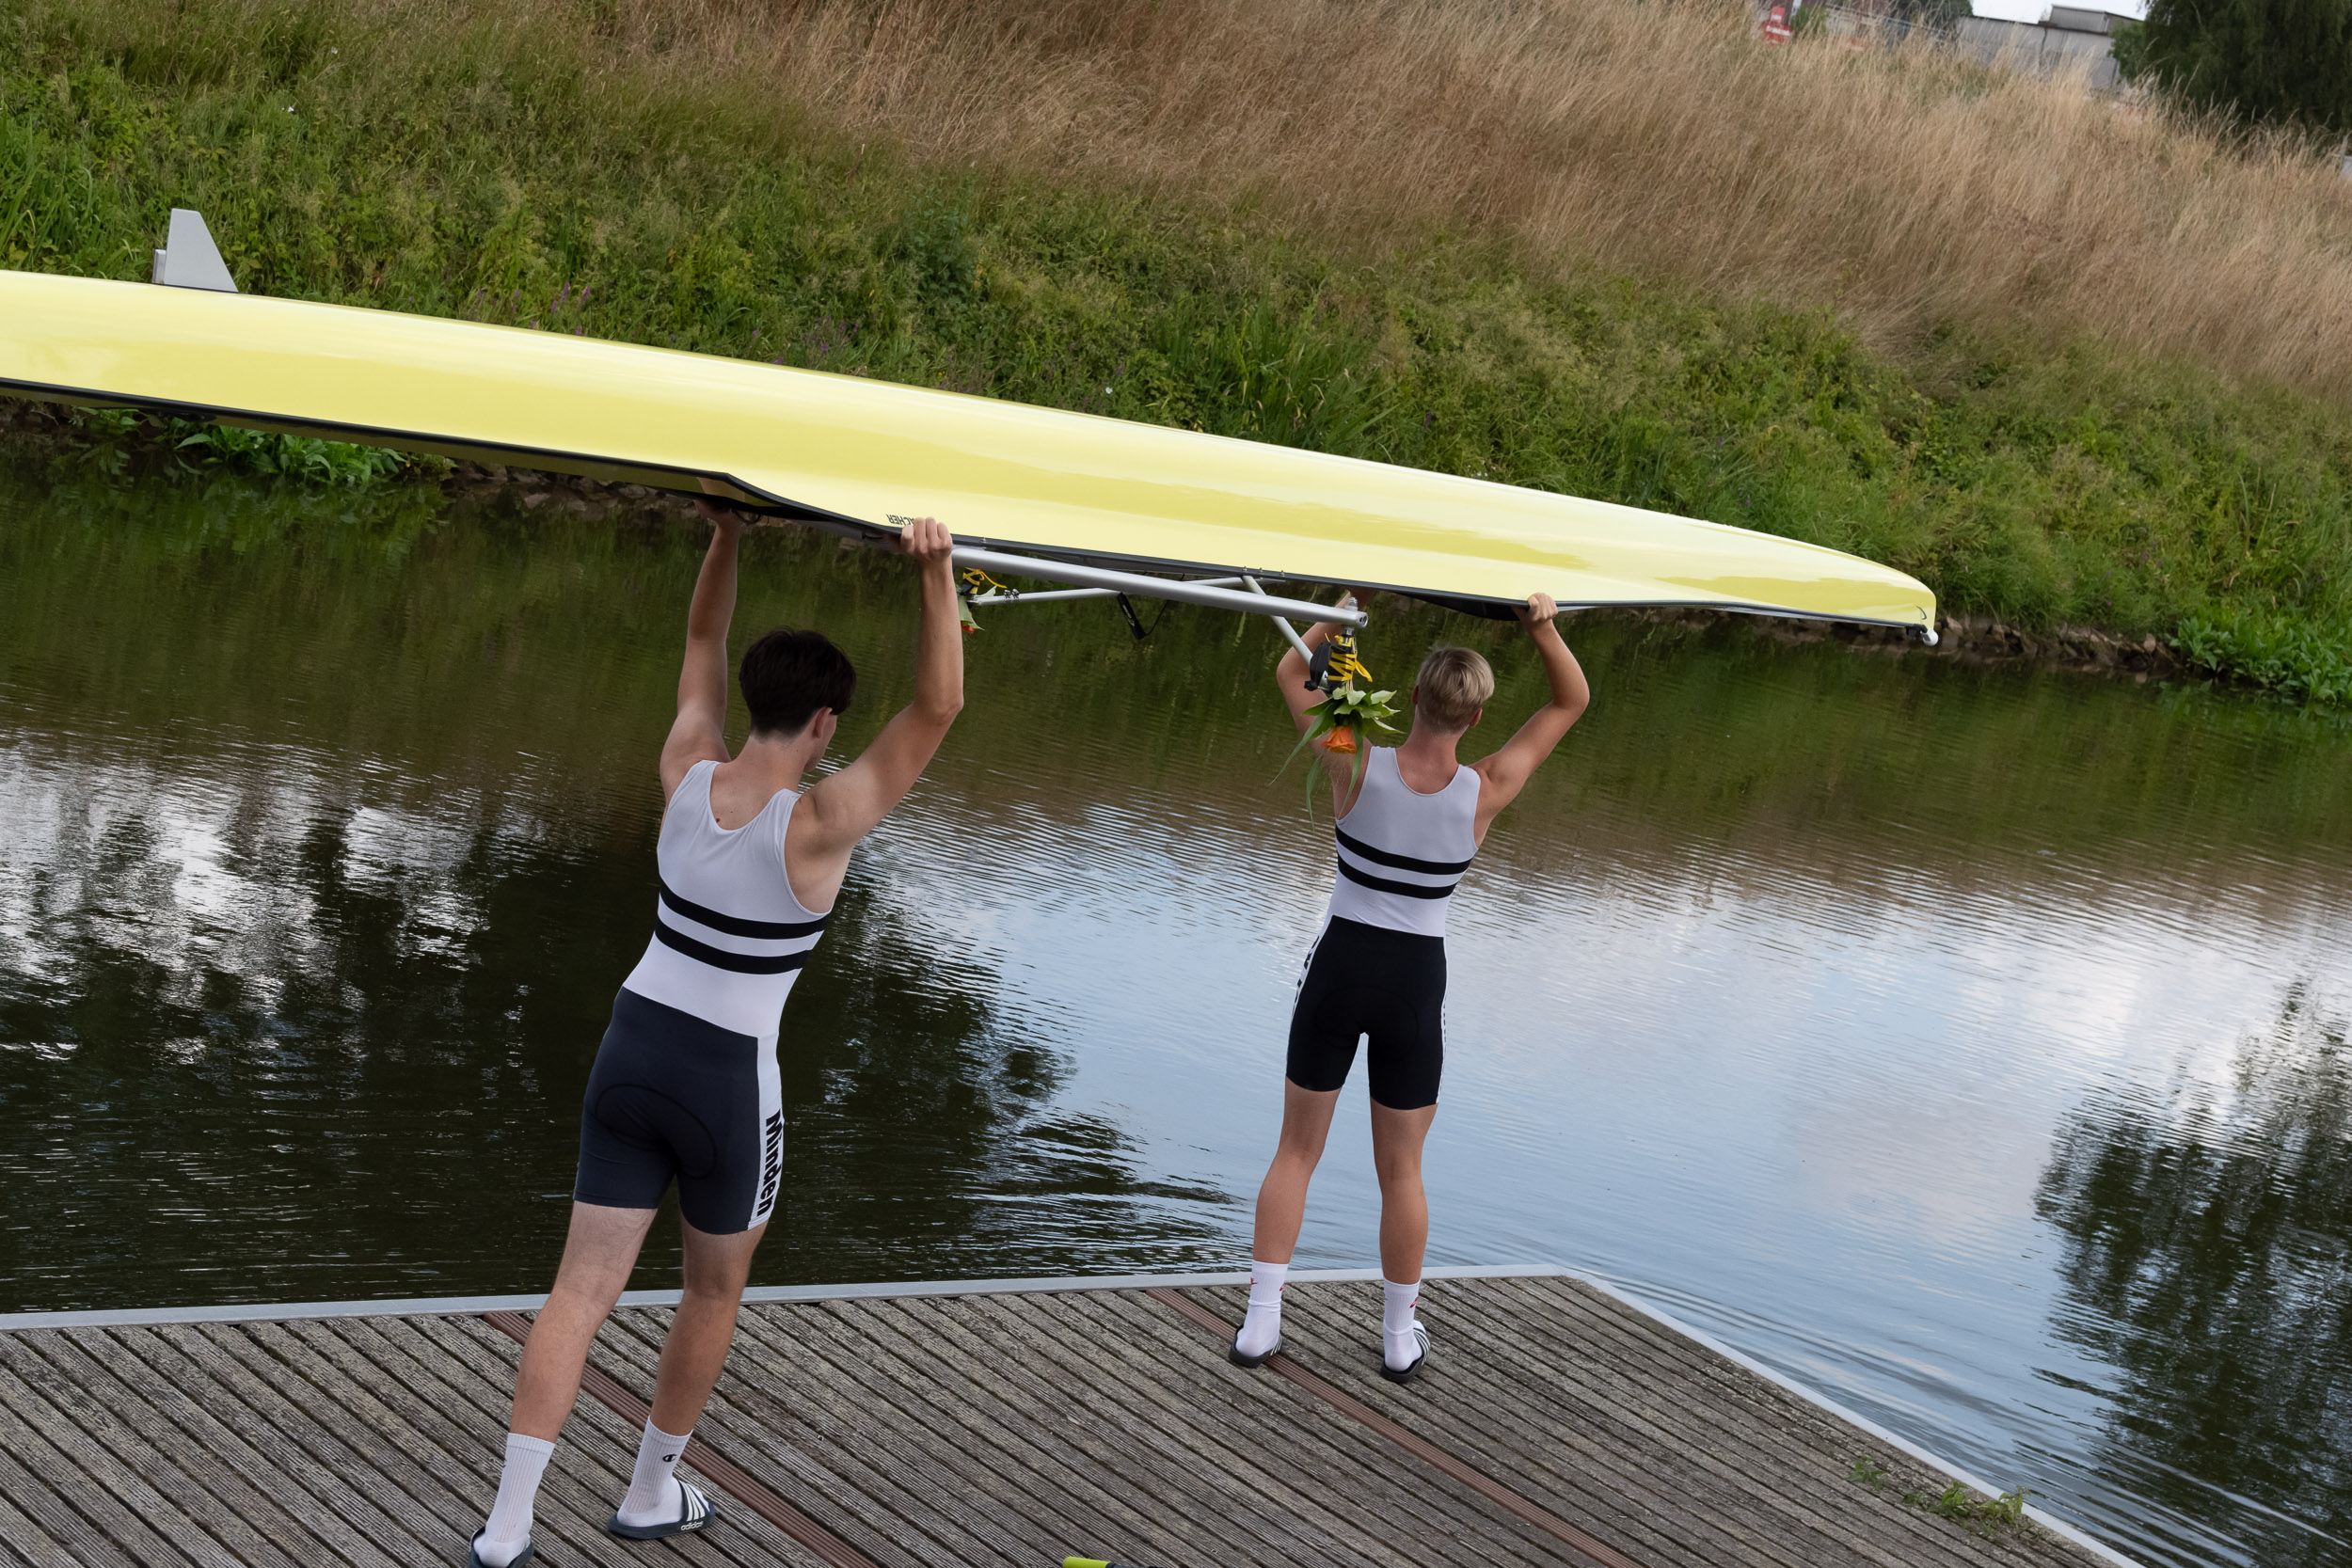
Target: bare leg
<point>1396,1140</point>
<point>695,1348</point>
<point>1283,1196</point>
<point>598,1257</point>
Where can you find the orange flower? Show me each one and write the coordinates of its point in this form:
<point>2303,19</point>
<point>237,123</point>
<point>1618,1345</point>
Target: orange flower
<point>1342,738</point>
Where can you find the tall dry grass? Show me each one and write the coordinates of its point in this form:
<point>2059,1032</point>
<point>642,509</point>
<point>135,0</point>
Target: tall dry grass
<point>1897,186</point>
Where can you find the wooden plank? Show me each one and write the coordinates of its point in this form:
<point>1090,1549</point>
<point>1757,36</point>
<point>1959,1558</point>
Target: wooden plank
<point>1330,1468</point>
<point>417,1396</point>
<point>63,1533</point>
<point>469,1370</point>
<point>1191,1475</point>
<point>1250,1457</point>
<point>1194,1450</point>
<point>468,1381</point>
<point>1556,1451</point>
<point>476,1365</point>
<point>1371,1448</point>
<point>1778,1443</point>
<point>1578,1540</point>
<point>994,1449</point>
<point>1716,1390</point>
<point>1249,1475</point>
<point>405,1422</point>
<point>895,1481</point>
<point>217,1419</point>
<point>1550,1330</point>
<point>1102,1486</point>
<point>1586,1443</point>
<point>390,1501</point>
<point>1724,1388</point>
<point>368,1498</point>
<point>1192,1514</point>
<point>165,1421</point>
<point>1587,1412</point>
<point>1631,1521</point>
<point>24,1543</point>
<point>713,1465</point>
<point>998,1431</point>
<point>121,1506</point>
<point>1536,1354</point>
<point>1691,1409</point>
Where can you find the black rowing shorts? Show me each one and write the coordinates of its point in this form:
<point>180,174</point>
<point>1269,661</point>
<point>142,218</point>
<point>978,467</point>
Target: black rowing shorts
<point>675,1096</point>
<point>1369,981</point>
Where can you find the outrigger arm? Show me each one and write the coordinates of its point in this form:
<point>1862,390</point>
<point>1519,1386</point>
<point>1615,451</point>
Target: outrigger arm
<point>1097,582</point>
<point>1351,616</point>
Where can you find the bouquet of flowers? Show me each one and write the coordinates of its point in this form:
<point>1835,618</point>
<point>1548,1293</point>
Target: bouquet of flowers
<point>1345,709</point>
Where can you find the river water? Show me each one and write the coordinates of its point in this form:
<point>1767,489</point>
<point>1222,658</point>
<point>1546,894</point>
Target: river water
<point>1970,1044</point>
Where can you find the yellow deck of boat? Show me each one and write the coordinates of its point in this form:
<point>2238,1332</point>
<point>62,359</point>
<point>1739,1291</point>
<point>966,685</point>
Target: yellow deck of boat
<point>856,452</point>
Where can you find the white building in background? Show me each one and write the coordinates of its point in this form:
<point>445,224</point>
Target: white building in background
<point>2035,33</point>
<point>2036,13</point>
<point>2051,36</point>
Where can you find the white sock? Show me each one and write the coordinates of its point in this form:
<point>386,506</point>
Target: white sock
<point>508,1529</point>
<point>1263,1327</point>
<point>1397,1346</point>
<point>653,1490</point>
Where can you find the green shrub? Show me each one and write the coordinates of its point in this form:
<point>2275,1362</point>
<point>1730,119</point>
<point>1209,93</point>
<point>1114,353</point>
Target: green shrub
<point>300,457</point>
<point>2298,657</point>
<point>2286,62</point>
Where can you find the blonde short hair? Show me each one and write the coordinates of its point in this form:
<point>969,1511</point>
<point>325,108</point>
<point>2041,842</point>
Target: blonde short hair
<point>1453,683</point>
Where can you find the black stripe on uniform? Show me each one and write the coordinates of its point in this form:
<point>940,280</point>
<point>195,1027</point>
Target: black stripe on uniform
<point>771,931</point>
<point>1381,884</point>
<point>719,958</point>
<point>1403,863</point>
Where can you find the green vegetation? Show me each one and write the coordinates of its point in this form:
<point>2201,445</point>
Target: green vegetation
<point>2287,654</point>
<point>2042,482</point>
<point>296,456</point>
<point>2283,62</point>
<point>1982,1515</point>
<point>113,435</point>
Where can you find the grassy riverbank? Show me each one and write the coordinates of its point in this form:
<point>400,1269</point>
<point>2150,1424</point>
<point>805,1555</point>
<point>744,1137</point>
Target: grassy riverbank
<point>559,165</point>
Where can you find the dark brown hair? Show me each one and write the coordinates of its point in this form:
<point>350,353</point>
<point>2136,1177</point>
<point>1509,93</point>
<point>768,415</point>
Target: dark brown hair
<point>787,676</point>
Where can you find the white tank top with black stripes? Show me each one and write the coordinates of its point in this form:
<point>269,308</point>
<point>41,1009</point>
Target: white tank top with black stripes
<point>728,937</point>
<point>1400,851</point>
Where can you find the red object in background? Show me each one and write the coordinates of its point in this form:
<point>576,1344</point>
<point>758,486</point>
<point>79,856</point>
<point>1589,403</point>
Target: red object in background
<point>1775,26</point>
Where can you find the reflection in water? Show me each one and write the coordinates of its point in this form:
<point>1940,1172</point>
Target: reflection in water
<point>279,1045</point>
<point>1830,1001</point>
<point>2209,1263</point>
<point>316,885</point>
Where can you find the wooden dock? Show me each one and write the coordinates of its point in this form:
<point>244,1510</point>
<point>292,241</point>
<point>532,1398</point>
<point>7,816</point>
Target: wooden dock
<point>922,1426</point>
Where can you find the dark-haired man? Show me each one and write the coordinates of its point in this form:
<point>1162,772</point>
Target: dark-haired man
<point>685,1085</point>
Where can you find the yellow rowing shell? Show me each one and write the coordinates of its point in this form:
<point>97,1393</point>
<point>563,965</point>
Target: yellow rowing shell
<point>856,452</point>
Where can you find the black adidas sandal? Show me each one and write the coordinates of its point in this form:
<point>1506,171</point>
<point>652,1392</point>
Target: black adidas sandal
<point>1412,1368</point>
<point>1232,1352</point>
<point>694,1512</point>
<point>473,1553</point>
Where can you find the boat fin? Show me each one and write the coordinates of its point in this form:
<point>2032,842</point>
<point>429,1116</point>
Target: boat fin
<point>189,259</point>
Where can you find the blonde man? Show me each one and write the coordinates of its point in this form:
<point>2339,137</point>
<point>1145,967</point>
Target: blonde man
<point>1408,828</point>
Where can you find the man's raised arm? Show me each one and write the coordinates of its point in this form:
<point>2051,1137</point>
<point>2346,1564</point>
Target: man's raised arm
<point>1506,772</point>
<point>699,731</point>
<point>845,807</point>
